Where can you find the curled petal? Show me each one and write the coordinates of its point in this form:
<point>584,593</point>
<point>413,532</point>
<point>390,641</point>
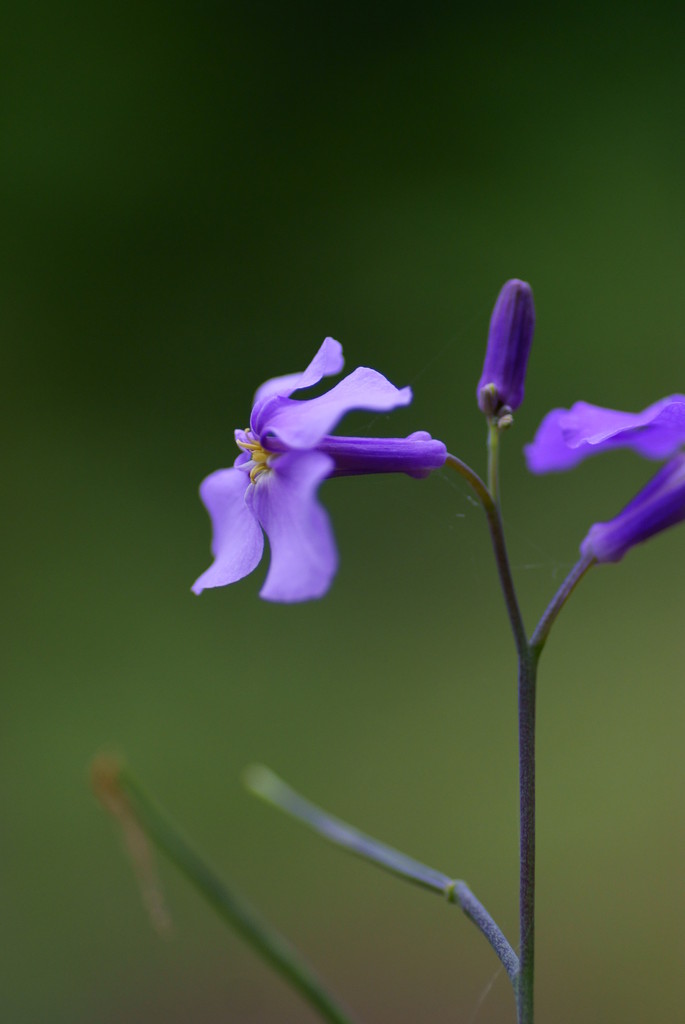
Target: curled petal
<point>326,363</point>
<point>567,436</point>
<point>237,539</point>
<point>302,424</point>
<point>303,553</point>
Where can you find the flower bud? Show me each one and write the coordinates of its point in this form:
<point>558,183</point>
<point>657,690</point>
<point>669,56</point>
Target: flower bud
<point>658,505</point>
<point>509,340</point>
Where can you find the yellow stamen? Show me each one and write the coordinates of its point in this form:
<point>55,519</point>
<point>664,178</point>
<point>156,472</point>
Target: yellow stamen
<point>256,470</point>
<point>258,455</point>
<point>251,445</point>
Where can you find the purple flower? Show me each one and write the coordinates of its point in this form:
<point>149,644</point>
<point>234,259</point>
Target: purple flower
<point>567,436</point>
<point>500,388</point>
<point>285,454</point>
<point>658,505</point>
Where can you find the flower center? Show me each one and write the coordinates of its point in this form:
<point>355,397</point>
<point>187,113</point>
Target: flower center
<point>259,456</point>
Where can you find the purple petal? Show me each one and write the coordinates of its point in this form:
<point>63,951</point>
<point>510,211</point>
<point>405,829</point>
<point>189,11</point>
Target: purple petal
<point>658,505</point>
<point>303,553</point>
<point>549,451</point>
<point>326,363</point>
<point>302,424</point>
<point>567,436</point>
<point>237,539</point>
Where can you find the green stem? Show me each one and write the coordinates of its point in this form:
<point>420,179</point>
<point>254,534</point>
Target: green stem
<point>122,795</point>
<point>541,632</point>
<point>528,656</point>
<point>528,666</point>
<point>493,459</point>
<point>527,661</point>
<point>526,700</point>
<point>499,548</point>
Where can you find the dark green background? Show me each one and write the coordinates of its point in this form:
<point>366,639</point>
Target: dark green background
<point>194,195</point>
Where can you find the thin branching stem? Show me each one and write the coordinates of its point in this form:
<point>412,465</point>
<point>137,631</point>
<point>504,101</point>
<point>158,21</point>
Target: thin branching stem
<point>541,632</point>
<point>499,548</point>
<point>265,784</point>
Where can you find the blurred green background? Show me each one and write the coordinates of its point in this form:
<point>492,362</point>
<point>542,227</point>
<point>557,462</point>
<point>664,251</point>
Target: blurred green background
<point>194,195</point>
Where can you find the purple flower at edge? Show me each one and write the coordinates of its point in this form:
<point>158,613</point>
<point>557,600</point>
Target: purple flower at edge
<point>285,454</point>
<point>657,506</point>
<point>568,436</point>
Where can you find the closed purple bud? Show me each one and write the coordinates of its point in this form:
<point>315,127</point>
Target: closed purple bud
<point>658,505</point>
<point>509,340</point>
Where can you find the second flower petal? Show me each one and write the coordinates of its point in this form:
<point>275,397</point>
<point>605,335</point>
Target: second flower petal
<point>302,424</point>
<point>237,539</point>
<point>567,436</point>
<point>304,557</point>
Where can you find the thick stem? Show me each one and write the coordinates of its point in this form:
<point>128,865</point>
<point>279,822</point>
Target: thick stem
<point>528,655</point>
<point>527,688</point>
<point>528,665</point>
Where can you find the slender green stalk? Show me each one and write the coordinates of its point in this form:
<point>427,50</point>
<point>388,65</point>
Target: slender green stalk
<point>541,632</point>
<point>264,783</point>
<point>499,548</point>
<point>493,458</point>
<point>471,477</point>
<point>125,799</point>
